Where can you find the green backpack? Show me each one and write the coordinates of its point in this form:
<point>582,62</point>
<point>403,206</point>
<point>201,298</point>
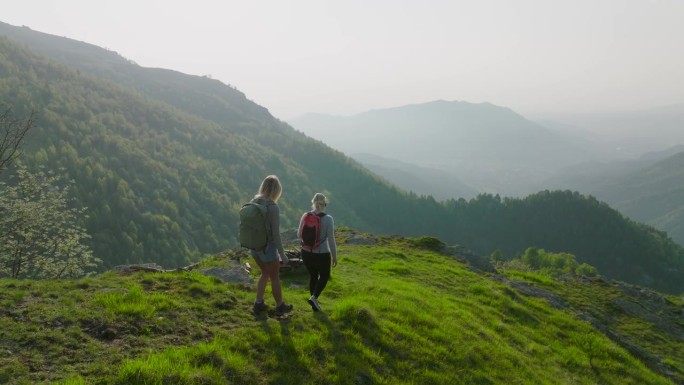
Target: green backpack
<point>255,229</point>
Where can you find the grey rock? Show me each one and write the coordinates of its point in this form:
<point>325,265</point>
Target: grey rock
<point>232,274</point>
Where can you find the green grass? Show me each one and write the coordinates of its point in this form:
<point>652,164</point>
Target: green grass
<point>395,313</point>
<point>134,302</point>
<point>597,298</point>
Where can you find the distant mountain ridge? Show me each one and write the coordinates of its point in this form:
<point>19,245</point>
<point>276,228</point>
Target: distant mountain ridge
<point>488,147</point>
<point>633,133</point>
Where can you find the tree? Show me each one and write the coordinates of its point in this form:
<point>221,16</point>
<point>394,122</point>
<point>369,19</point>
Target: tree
<point>586,270</point>
<point>497,256</point>
<point>39,234</point>
<point>533,257</point>
<point>12,133</point>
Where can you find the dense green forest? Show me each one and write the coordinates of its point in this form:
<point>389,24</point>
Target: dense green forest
<point>162,161</point>
<point>566,221</point>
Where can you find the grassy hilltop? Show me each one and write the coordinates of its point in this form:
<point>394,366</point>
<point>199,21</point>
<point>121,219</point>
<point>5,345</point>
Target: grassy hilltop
<point>397,311</point>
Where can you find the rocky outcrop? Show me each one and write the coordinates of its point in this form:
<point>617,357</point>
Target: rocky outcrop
<point>475,261</point>
<point>653,308</point>
<point>234,273</point>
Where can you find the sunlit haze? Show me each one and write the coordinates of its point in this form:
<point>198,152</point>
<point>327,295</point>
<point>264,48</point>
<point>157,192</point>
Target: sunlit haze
<point>343,57</point>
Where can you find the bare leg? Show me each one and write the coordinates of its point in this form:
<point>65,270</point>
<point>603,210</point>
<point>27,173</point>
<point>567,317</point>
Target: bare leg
<point>263,280</point>
<point>273,271</point>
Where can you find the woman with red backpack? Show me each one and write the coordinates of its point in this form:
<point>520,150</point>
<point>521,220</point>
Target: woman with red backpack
<point>319,250</point>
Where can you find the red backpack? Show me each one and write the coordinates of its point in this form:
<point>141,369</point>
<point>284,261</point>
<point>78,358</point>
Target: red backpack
<point>311,230</point>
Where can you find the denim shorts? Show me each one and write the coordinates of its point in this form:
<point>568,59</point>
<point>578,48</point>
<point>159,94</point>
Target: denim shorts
<point>270,254</point>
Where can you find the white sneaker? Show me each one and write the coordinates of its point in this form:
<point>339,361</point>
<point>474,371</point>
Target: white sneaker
<point>315,306</point>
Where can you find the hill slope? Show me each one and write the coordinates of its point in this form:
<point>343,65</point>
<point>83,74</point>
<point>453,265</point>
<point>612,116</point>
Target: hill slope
<point>396,312</point>
<point>163,183</point>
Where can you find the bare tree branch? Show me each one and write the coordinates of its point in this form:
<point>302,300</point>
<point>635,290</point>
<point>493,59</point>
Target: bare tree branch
<point>12,133</point>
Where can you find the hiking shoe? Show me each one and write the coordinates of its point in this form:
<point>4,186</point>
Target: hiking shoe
<point>313,301</point>
<point>259,307</point>
<point>283,308</point>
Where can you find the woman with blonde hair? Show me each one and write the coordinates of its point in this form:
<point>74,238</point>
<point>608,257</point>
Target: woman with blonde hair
<point>268,259</point>
<point>319,250</point>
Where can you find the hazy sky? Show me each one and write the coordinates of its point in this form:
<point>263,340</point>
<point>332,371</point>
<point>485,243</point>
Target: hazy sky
<point>348,56</point>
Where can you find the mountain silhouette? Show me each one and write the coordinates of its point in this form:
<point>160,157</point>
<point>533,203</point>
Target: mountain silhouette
<point>488,147</point>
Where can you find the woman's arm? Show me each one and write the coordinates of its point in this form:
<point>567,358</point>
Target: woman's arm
<point>331,241</point>
<point>274,218</point>
<point>299,228</point>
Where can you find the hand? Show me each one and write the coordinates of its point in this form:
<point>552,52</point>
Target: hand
<point>334,261</point>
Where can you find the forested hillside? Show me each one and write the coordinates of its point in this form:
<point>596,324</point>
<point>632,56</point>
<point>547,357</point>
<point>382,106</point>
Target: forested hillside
<point>163,160</point>
<point>162,184</point>
<point>569,221</point>
<point>648,189</point>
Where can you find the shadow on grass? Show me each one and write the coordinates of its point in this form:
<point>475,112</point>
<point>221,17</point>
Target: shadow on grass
<point>351,364</point>
<point>291,368</point>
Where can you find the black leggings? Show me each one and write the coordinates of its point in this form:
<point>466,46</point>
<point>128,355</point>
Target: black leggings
<point>318,266</point>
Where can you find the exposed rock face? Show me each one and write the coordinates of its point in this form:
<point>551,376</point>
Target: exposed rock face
<point>357,239</point>
<point>233,274</point>
<point>149,267</point>
<point>553,300</point>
